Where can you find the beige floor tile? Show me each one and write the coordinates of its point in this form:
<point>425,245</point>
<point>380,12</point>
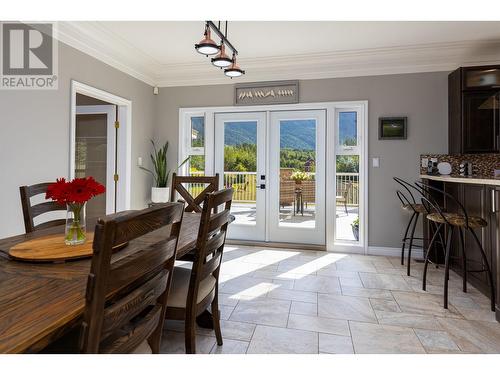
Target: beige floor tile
<point>378,339</point>
<point>349,264</point>
<point>334,344</point>
<point>235,330</point>
<point>231,347</point>
<point>262,311</point>
<point>384,305</point>
<point>473,336</point>
<point>426,304</point>
<point>368,293</point>
<point>293,295</point>
<point>477,313</point>
<point>225,311</point>
<point>350,281</point>
<point>407,320</point>
<point>334,272</point>
<point>304,308</point>
<point>227,299</point>
<point>384,281</point>
<point>321,284</point>
<point>275,340</point>
<point>436,340</point>
<point>318,324</point>
<point>173,343</point>
<point>247,286</point>
<point>343,307</point>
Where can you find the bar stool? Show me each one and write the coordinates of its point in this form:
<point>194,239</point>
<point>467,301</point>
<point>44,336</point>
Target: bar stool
<point>409,204</point>
<point>455,221</point>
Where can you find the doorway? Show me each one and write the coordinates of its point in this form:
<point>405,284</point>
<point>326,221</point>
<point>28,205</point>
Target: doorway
<point>101,146</point>
<point>298,171</point>
<point>277,171</point>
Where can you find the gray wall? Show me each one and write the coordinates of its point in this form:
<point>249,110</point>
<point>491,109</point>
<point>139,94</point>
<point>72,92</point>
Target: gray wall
<point>422,97</point>
<point>34,131</point>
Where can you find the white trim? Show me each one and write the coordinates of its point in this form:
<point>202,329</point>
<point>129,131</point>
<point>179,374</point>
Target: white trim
<point>330,107</point>
<point>416,253</point>
<point>124,141</point>
<point>94,39</point>
<point>109,111</point>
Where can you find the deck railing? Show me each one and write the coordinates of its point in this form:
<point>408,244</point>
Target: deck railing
<point>245,186</point>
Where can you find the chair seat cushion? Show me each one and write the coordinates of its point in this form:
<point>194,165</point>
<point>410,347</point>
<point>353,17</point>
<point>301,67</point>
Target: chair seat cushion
<point>180,287</point>
<point>418,207</point>
<point>143,348</point>
<point>458,220</point>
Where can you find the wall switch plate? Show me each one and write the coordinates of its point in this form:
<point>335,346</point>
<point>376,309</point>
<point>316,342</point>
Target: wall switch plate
<point>139,161</point>
<point>424,163</point>
<point>376,162</point>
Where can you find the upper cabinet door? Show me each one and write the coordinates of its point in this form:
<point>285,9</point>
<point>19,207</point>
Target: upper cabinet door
<point>477,78</point>
<point>480,122</point>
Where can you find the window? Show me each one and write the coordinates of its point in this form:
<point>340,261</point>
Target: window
<point>347,165</point>
<point>195,147</point>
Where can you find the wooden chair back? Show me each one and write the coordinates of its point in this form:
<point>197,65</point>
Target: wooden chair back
<point>120,323</point>
<point>193,203</point>
<point>209,246</point>
<point>30,212</point>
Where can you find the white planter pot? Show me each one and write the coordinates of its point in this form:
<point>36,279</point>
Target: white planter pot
<point>160,195</point>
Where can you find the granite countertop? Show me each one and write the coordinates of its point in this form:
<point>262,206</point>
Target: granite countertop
<point>481,180</point>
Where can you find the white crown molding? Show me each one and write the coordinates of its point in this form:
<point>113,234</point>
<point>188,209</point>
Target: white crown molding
<point>97,41</point>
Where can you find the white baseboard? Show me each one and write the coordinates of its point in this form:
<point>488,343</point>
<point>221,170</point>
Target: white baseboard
<point>416,253</point>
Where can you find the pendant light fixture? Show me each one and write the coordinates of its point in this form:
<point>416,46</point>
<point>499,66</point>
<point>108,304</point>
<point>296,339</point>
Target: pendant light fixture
<point>222,60</point>
<point>234,70</point>
<point>207,46</point>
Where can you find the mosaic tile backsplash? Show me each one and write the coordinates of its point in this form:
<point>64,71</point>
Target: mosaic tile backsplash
<point>484,165</point>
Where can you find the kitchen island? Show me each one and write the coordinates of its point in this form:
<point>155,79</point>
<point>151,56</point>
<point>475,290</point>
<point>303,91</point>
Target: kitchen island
<point>480,196</point>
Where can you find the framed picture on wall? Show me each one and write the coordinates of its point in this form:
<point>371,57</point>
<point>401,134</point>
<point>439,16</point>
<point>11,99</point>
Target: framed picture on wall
<point>392,127</point>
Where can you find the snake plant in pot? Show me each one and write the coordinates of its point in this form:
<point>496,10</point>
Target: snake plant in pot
<point>160,192</point>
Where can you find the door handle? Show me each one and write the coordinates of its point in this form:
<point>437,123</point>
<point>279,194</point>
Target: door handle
<point>494,203</point>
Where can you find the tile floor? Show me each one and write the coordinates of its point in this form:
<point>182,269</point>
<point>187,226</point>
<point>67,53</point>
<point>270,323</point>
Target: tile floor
<point>289,301</point>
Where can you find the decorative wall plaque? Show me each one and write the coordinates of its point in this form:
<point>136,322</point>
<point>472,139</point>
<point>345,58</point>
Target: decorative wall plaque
<point>279,92</point>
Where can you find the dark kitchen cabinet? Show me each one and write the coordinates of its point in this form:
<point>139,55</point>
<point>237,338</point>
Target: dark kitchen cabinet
<point>473,113</point>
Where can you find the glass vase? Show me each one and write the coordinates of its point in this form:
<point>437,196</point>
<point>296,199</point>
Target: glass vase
<point>75,233</point>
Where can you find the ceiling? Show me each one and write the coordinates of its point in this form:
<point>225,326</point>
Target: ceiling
<point>162,53</point>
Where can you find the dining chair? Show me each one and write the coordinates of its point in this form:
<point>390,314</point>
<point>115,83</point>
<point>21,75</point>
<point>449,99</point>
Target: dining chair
<point>193,203</point>
<point>131,322</point>
<point>30,212</point>
<point>195,289</point>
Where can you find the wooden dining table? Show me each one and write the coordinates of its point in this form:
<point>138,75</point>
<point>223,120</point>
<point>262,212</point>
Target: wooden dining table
<point>39,302</point>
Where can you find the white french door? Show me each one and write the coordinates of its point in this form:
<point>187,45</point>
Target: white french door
<point>275,162</point>
<point>240,160</point>
<point>297,176</point>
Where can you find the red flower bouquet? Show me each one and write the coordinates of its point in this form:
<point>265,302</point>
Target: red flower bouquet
<point>74,194</point>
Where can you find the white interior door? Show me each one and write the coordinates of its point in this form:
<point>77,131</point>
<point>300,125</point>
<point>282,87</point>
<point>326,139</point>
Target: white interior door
<point>296,180</point>
<point>240,160</point>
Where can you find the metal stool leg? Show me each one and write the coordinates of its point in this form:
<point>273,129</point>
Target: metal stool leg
<point>404,239</point>
<point>447,265</point>
<point>464,261</point>
<point>411,243</point>
<point>424,276</point>
<point>488,269</point>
